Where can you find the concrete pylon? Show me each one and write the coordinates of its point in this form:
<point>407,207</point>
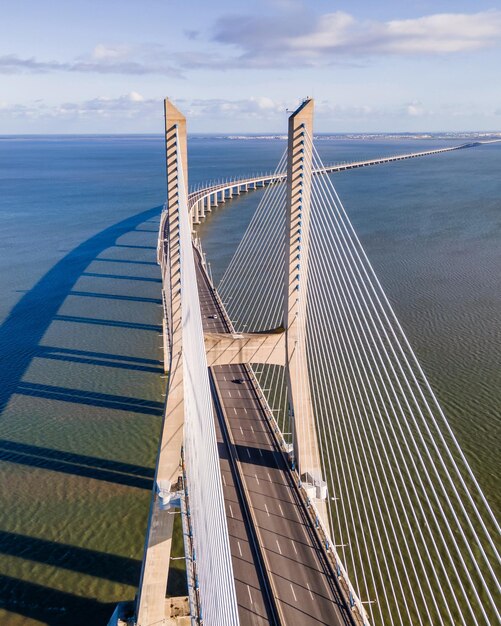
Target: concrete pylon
<point>299,177</point>
<point>150,607</point>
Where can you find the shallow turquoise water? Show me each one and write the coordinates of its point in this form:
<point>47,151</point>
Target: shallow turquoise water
<point>80,316</point>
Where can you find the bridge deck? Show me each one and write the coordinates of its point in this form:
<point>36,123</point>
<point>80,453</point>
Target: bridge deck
<point>268,509</point>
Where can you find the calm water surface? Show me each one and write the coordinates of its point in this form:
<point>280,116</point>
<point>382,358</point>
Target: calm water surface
<point>80,386</point>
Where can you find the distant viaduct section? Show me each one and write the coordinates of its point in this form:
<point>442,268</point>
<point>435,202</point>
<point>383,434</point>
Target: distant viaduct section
<point>202,201</point>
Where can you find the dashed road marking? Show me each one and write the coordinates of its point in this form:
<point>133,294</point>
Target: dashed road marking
<point>257,479</point>
<point>281,512</point>
<point>242,431</point>
<point>309,589</point>
<point>251,428</point>
<point>248,453</point>
<point>293,593</point>
<point>245,410</point>
<point>224,480</point>
<point>265,506</point>
<point>250,596</point>
<point>239,548</point>
<point>294,546</point>
<point>234,410</point>
<point>260,452</point>
<point>231,510</point>
<point>269,477</point>
<point>279,548</point>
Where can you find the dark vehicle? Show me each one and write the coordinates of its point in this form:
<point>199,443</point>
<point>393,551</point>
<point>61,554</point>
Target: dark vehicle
<point>239,381</point>
<point>212,317</point>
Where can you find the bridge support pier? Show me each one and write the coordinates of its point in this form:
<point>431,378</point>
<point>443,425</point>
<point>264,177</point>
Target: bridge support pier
<point>150,606</point>
<point>299,178</point>
<point>196,213</point>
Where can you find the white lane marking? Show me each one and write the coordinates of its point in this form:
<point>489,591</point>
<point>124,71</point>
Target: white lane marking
<point>260,452</point>
<point>239,548</point>
<point>266,509</point>
<point>248,589</point>
<point>224,480</point>
<point>257,479</point>
<point>245,409</point>
<point>229,393</point>
<point>309,589</point>
<point>248,453</point>
<point>239,393</point>
<point>251,428</point>
<point>269,477</point>
<point>234,410</point>
<point>294,546</point>
<point>282,513</point>
<point>292,589</point>
<point>241,430</point>
<point>231,510</point>
<point>279,549</point>
<point>224,378</point>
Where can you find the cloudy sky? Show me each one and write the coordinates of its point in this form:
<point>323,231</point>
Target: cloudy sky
<point>80,66</point>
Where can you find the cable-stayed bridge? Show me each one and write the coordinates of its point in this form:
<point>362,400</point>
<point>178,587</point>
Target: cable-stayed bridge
<point>318,478</point>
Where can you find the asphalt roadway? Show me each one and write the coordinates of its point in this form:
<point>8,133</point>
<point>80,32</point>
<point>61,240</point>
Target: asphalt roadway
<point>281,573</point>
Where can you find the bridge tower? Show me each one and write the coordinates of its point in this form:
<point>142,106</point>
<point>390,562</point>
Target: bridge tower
<point>150,608</point>
<point>299,180</point>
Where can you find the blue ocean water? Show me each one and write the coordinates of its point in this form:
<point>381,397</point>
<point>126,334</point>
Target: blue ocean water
<point>80,380</point>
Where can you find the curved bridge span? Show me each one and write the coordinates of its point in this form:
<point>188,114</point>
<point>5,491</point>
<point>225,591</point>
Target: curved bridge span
<point>201,201</point>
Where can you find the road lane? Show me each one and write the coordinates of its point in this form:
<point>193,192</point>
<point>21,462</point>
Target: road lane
<point>269,510</point>
<point>301,579</point>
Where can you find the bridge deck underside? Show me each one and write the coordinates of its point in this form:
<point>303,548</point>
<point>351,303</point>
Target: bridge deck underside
<point>268,525</point>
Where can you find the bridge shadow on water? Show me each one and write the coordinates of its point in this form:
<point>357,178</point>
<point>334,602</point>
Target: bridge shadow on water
<point>43,347</point>
<point>77,464</point>
<point>33,314</point>
<point>51,606</point>
<point>104,359</point>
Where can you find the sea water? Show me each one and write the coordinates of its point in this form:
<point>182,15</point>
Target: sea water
<point>80,321</point>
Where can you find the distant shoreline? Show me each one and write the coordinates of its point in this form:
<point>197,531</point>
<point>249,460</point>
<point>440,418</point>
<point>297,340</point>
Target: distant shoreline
<point>352,136</point>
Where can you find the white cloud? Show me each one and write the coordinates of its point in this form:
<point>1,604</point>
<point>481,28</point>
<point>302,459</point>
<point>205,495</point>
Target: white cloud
<point>255,107</point>
<point>135,97</point>
<point>300,39</point>
<point>415,109</point>
<point>106,52</point>
<point>130,105</point>
<point>132,111</point>
<point>138,61</point>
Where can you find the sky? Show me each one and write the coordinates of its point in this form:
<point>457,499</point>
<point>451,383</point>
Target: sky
<point>104,66</point>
